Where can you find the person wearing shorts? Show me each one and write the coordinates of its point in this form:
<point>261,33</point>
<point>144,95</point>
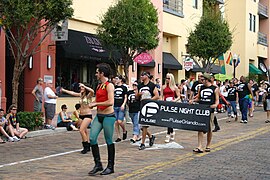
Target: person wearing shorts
<point>38,94</point>
<point>120,99</point>
<point>210,98</point>
<point>49,105</point>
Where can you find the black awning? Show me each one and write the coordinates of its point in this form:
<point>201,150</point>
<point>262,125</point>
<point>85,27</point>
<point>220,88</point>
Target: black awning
<point>170,62</point>
<point>82,45</point>
<point>215,69</point>
<point>196,67</point>
<point>150,64</point>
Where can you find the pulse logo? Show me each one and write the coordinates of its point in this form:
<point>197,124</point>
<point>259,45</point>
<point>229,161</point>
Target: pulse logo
<point>150,109</point>
<point>206,93</point>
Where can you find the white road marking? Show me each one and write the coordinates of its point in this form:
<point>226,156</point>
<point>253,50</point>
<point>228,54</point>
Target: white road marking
<point>69,152</point>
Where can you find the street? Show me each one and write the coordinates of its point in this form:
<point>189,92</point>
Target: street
<point>239,151</point>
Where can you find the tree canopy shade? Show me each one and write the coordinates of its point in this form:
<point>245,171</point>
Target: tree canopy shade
<point>25,20</point>
<point>132,27</point>
<point>212,36</point>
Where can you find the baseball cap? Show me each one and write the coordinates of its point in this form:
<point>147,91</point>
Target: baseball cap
<point>49,82</point>
<point>40,79</point>
<point>207,76</point>
<point>145,74</point>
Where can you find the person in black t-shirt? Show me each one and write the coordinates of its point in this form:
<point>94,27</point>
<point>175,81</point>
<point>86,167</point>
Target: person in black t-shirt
<point>134,108</point>
<point>267,99</point>
<point>120,99</point>
<point>232,99</point>
<point>195,87</point>
<point>146,90</point>
<point>255,91</point>
<point>244,90</point>
<point>208,94</point>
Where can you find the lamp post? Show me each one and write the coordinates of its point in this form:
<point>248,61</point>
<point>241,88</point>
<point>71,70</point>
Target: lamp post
<point>234,64</point>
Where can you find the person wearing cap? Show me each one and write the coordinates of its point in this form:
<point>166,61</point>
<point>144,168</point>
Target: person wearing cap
<point>208,94</point>
<point>146,90</point>
<point>38,95</point>
<point>244,94</point>
<point>134,108</point>
<point>49,105</point>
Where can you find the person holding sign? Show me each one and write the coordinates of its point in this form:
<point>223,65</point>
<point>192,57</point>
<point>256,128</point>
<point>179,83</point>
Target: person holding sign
<point>146,90</point>
<point>168,93</point>
<point>208,94</point>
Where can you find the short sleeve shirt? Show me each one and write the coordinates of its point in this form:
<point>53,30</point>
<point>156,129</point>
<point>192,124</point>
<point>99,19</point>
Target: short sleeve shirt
<point>49,91</point>
<point>119,95</point>
<point>39,92</point>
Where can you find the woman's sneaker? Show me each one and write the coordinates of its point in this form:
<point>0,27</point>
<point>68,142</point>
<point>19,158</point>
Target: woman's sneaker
<point>16,138</point>
<point>142,147</point>
<point>173,136</point>
<point>10,139</point>
<point>167,139</point>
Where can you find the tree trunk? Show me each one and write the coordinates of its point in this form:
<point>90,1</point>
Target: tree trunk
<point>126,70</point>
<point>15,81</point>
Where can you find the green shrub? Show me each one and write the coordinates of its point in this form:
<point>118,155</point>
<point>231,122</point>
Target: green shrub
<point>30,120</point>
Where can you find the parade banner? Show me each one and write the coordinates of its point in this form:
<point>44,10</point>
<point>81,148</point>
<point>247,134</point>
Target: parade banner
<point>194,117</point>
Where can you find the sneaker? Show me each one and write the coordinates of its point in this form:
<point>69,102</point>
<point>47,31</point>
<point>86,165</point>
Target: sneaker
<point>16,139</point>
<point>52,127</point>
<point>118,140</point>
<point>167,139</point>
<point>245,121</point>
<point>217,128</point>
<point>232,115</point>
<point>142,147</point>
<point>129,122</point>
<point>152,140</point>
<point>241,121</point>
<point>10,139</point>
<point>125,135</point>
<point>173,136</point>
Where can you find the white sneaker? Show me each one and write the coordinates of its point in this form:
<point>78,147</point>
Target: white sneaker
<point>173,136</point>
<point>10,139</point>
<point>167,140</point>
<point>241,121</point>
<point>16,139</point>
<point>232,115</point>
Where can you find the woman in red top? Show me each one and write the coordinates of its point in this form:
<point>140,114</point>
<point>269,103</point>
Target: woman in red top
<point>104,119</point>
<point>170,92</point>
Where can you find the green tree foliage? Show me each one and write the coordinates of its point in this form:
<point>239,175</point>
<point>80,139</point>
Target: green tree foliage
<point>131,26</point>
<point>211,37</point>
<point>26,24</point>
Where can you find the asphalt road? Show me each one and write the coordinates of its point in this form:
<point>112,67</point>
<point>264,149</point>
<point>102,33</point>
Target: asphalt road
<point>239,151</point>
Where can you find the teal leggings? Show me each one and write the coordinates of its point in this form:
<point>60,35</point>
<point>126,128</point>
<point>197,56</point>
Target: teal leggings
<point>105,122</point>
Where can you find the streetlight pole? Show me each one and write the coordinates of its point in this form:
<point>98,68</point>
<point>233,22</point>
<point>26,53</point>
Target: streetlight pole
<point>234,64</point>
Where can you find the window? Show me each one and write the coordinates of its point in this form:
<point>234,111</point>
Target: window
<point>252,22</point>
<point>173,6</point>
<point>195,4</point>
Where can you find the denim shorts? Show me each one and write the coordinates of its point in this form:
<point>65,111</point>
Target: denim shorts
<point>119,114</point>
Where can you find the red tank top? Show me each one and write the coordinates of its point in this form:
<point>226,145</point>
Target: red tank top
<point>167,92</point>
<point>102,94</point>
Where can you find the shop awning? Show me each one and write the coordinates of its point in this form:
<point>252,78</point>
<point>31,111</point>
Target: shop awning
<point>151,64</point>
<point>170,62</point>
<point>215,69</point>
<point>254,70</point>
<point>82,45</point>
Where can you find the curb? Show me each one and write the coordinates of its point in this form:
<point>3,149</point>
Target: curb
<point>45,132</point>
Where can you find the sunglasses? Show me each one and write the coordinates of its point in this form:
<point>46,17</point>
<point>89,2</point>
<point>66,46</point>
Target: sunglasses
<point>168,78</point>
<point>14,109</point>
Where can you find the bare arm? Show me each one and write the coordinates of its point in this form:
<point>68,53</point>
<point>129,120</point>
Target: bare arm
<point>216,99</point>
<point>156,95</point>
<point>34,94</point>
<point>177,92</point>
<point>72,93</point>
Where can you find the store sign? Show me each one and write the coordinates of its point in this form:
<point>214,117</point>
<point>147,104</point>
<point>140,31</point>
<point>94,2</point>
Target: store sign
<point>60,32</point>
<point>143,58</point>
<point>94,43</point>
<point>195,117</point>
<point>188,64</point>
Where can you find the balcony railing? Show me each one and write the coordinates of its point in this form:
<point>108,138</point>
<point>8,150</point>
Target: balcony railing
<point>262,39</point>
<point>263,10</point>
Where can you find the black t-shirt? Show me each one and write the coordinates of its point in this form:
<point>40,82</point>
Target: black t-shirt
<point>242,90</point>
<point>133,103</point>
<point>195,87</point>
<point>267,91</point>
<point>119,95</point>
<point>254,89</point>
<point>147,89</point>
<point>231,93</point>
<point>207,95</point>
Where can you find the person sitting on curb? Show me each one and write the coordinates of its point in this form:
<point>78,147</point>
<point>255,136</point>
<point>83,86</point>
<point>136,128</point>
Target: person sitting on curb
<point>14,123</point>
<point>64,120</point>
<point>75,116</point>
<point>3,124</point>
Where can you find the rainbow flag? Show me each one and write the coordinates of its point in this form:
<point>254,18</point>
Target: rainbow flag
<point>230,59</point>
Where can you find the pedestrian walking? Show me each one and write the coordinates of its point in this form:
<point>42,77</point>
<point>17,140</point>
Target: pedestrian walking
<point>120,99</point>
<point>104,119</point>
<point>208,94</point>
<point>86,93</point>
<point>146,90</point>
<point>232,99</point>
<point>170,92</point>
<point>38,95</point>
<point>49,105</point>
<point>245,95</point>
